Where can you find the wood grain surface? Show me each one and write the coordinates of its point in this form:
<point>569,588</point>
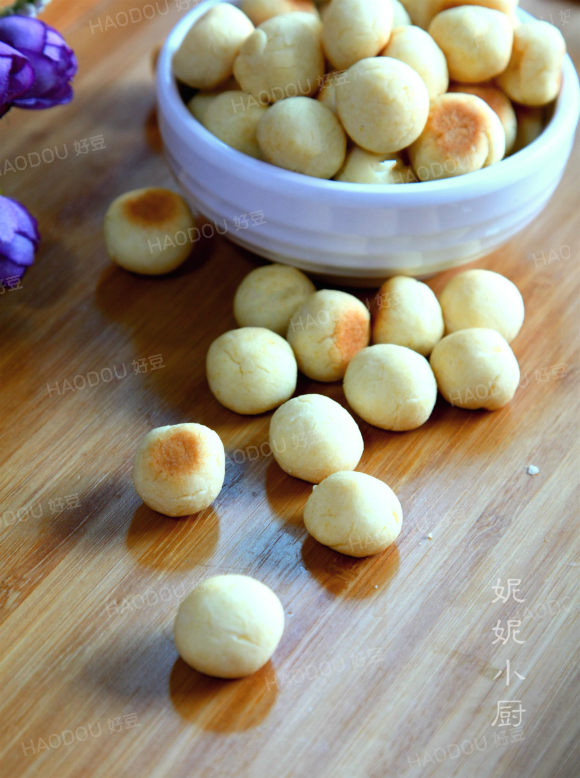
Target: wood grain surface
<point>389,666</point>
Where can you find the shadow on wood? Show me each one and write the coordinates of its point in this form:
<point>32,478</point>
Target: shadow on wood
<point>346,576</point>
<point>163,543</point>
<point>223,705</point>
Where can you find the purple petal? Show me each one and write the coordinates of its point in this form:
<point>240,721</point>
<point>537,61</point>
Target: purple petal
<point>59,96</point>
<point>20,250</point>
<point>18,238</point>
<point>10,272</point>
<point>53,62</point>
<point>27,224</point>
<point>16,73</point>
<point>23,33</point>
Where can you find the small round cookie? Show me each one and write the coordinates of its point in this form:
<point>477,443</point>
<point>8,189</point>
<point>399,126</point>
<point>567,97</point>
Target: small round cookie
<point>531,124</point>
<point>391,387</point>
<point>364,167</point>
<point>179,469</point>
<point>149,231</point>
<point>326,332</point>
<point>400,15</point>
<point>269,295</point>
<point>233,117</point>
<point>534,73</point>
<point>407,313</point>
<point>476,368</point>
<point>477,42</point>
<point>312,436</point>
<point>282,58</point>
<point>462,134</point>
<point>260,11</point>
<point>498,102</point>
<point>303,135</point>
<point>199,103</point>
<point>229,626</point>
<point>327,92</point>
<point>417,49</point>
<point>422,12</point>
<point>419,12</point>
<point>355,29</point>
<point>383,104</point>
<point>353,513</point>
<point>251,370</point>
<point>206,57</point>
<point>482,298</point>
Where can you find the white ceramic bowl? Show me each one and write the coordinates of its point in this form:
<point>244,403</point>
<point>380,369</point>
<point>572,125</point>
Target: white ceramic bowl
<point>359,232</point>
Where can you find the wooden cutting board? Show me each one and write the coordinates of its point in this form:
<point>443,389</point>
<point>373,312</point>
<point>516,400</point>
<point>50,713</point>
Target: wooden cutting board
<point>396,665</point>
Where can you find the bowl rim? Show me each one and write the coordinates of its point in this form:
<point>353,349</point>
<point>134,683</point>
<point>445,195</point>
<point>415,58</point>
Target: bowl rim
<point>517,166</point>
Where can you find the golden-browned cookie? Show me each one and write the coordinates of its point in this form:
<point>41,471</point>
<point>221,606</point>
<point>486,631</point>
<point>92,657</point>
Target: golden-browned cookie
<point>501,104</point>
<point>462,134</point>
<point>326,332</point>
<point>179,469</point>
<point>149,230</point>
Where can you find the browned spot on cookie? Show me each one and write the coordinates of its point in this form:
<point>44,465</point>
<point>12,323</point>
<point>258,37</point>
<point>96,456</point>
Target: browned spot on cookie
<point>176,453</point>
<point>351,333</point>
<point>494,97</point>
<point>456,124</point>
<point>152,208</point>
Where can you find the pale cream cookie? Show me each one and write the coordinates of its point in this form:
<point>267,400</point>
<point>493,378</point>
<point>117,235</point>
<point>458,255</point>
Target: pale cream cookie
<point>312,436</point>
<point>477,42</point>
<point>476,368</point>
<point>391,387</point>
<point>353,513</point>
<point>251,370</point>
<point>302,135</point>
<point>482,298</point>
<point>407,313</point>
<point>229,626</point>
<point>416,48</point>
<point>282,58</point>
<point>534,73</point>
<point>355,29</point>
<point>269,295</point>
<point>383,104</point>
<point>206,56</point>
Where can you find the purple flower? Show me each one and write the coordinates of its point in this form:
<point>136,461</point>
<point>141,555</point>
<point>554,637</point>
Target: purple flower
<point>16,76</point>
<point>18,241</point>
<point>53,62</point>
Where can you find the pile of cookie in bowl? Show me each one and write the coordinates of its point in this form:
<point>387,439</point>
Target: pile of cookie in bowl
<point>371,91</point>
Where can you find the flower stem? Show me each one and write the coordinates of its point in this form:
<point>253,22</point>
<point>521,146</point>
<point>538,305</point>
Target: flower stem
<point>24,8</point>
